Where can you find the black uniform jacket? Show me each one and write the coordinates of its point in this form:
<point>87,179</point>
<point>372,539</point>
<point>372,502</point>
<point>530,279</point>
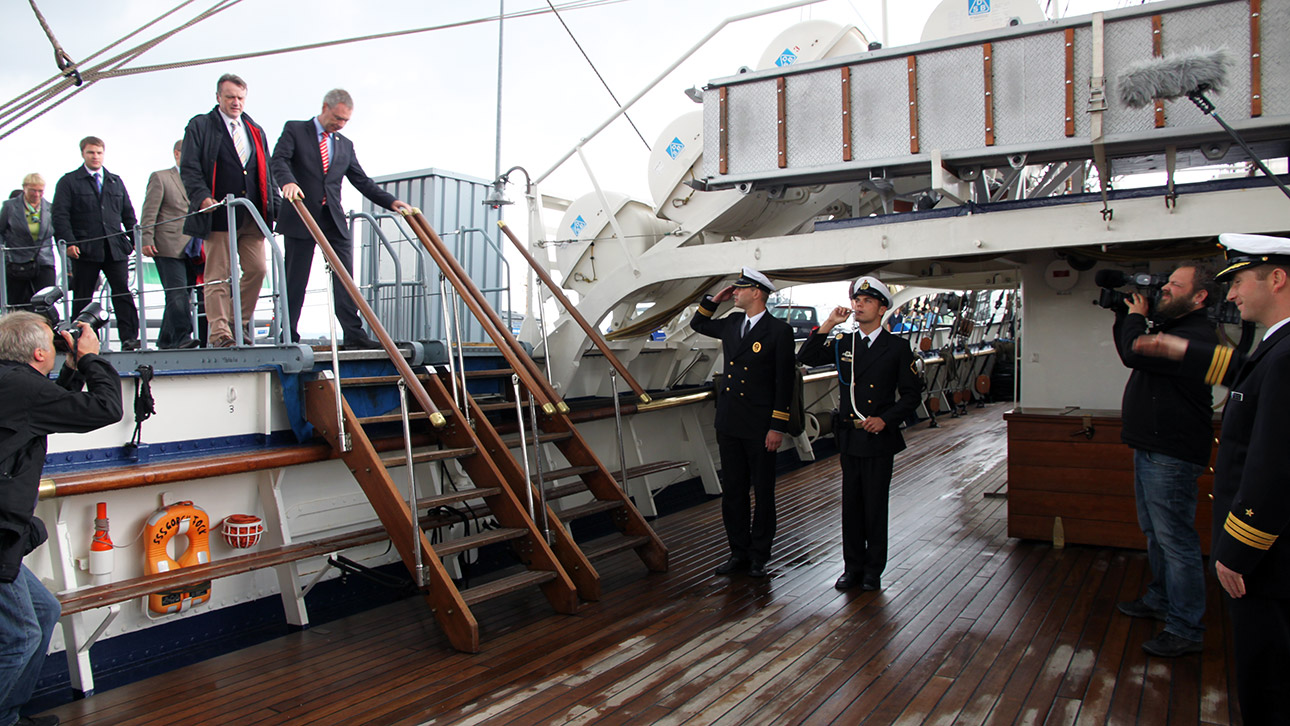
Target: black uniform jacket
<point>31,407</point>
<point>204,140</point>
<point>1165,410</point>
<point>758,383</point>
<point>887,386</point>
<point>297,159</point>
<point>83,216</point>
<point>1252,474</point>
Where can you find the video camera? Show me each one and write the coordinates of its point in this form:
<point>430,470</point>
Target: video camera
<point>1148,285</point>
<point>44,303</point>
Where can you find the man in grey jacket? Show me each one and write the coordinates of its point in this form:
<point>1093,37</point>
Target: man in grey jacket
<point>164,205</point>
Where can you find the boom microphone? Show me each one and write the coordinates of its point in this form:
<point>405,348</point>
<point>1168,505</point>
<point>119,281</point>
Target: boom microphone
<point>1195,71</point>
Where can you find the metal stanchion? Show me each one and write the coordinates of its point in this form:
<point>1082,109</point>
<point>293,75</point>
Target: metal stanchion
<point>138,278</point>
<point>419,572</point>
<point>345,443</point>
<point>461,352</point>
<point>524,445</point>
<point>235,278</point>
<point>541,323</point>
<point>447,336</point>
<point>618,422</point>
<point>537,461</point>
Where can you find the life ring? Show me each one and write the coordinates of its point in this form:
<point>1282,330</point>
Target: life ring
<point>181,518</point>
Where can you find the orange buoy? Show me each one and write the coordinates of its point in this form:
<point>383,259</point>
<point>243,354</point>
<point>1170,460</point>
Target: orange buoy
<point>181,518</point>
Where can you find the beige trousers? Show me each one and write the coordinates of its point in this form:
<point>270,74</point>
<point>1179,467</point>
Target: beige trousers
<point>219,300</point>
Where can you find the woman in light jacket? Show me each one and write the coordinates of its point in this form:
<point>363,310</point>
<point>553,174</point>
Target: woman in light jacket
<point>27,234</point>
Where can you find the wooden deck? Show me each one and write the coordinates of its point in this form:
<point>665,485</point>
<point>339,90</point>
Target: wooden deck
<point>972,627</point>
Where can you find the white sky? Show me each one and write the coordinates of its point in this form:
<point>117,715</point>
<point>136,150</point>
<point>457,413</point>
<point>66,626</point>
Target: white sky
<point>427,100</point>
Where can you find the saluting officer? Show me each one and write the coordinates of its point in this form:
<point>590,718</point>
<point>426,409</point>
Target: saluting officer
<point>874,368</point>
<point>1252,473</point>
<point>752,413</point>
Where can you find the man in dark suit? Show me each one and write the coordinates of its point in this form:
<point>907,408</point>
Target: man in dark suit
<point>93,214</point>
<point>1252,472</point>
<point>225,152</point>
<point>879,387</point>
<point>311,160</point>
<point>752,414</point>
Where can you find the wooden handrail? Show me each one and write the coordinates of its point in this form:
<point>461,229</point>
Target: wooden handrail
<point>523,366</point>
<point>570,308</point>
<point>396,356</point>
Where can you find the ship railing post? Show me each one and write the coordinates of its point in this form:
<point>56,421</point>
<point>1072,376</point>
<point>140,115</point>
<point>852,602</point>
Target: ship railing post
<point>461,351</point>
<point>342,436</point>
<point>618,424</point>
<point>375,259</point>
<point>537,462</point>
<point>524,445</point>
<point>234,271</point>
<point>448,343</point>
<point>137,233</point>
<point>419,572</point>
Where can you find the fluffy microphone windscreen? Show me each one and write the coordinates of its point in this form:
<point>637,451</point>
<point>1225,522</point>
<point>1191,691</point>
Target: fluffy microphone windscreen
<point>1173,77</point>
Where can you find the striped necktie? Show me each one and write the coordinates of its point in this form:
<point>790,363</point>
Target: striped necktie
<point>238,143</point>
<point>98,182</point>
<point>322,151</point>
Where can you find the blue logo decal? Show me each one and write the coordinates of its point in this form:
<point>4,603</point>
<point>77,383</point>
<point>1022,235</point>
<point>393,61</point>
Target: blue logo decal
<point>786,58</point>
<point>978,7</point>
<point>578,225</point>
<point>675,148</point>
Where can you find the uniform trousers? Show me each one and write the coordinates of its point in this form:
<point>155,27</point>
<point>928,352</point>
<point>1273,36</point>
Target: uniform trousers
<point>747,468</point>
<point>299,261</point>
<point>866,484</point>
<point>219,298</point>
<point>1261,640</point>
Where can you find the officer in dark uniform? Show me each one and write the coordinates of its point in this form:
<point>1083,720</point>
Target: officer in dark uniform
<point>752,413</point>
<point>879,387</point>
<point>1252,473</point>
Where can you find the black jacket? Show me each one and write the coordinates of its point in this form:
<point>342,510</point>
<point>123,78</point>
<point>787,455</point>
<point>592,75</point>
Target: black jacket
<point>757,387</point>
<point>887,386</point>
<point>31,408</point>
<point>296,159</point>
<point>205,141</point>
<point>1251,527</point>
<point>83,216</point>
<point>1165,410</point>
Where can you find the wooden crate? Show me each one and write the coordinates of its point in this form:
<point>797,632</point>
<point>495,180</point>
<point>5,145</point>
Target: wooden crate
<point>1070,463</point>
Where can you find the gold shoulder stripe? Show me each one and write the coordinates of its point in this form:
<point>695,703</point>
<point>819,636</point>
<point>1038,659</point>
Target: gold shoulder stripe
<point>1218,365</point>
<point>781,415</point>
<point>1247,535</point>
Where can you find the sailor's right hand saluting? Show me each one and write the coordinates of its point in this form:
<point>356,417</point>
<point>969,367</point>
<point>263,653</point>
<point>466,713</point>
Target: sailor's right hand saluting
<point>726,293</point>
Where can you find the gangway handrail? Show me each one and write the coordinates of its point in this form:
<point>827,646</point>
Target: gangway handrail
<point>570,308</point>
<point>522,365</point>
<point>338,270</point>
<point>376,259</point>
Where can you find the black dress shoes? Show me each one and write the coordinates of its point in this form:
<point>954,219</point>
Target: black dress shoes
<point>189,344</point>
<point>757,569</point>
<point>734,564</point>
<point>847,581</point>
<point>363,343</point>
<point>870,583</point>
<point>131,344</point>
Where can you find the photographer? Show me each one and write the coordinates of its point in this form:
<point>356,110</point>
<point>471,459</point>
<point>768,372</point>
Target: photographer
<point>1167,421</point>
<point>31,407</point>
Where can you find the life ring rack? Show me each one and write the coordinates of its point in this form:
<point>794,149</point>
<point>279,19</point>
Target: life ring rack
<point>191,521</point>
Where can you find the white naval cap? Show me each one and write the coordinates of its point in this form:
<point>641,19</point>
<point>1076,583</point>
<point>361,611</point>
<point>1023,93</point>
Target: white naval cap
<point>752,278</point>
<point>1252,250</point>
<point>872,287</point>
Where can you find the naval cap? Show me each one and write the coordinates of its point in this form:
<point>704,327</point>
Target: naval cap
<point>1252,250</point>
<point>752,278</point>
<point>872,287</point>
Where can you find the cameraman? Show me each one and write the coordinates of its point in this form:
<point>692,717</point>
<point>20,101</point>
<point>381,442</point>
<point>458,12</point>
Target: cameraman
<point>1167,421</point>
<point>31,407</point>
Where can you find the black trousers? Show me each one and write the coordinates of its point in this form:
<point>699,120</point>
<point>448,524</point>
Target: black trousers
<point>1261,640</point>
<point>866,483</point>
<point>20,291</point>
<point>85,278</point>
<point>747,468</point>
<point>299,253</point>
<point>178,277</point>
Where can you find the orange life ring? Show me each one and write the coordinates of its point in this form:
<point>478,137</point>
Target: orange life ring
<point>182,518</point>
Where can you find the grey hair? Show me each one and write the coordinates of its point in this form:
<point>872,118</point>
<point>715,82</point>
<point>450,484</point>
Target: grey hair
<point>338,96</point>
<point>1174,77</point>
<point>21,334</point>
<point>33,179</point>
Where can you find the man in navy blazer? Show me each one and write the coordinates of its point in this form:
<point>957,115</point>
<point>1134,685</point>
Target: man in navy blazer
<point>93,215</point>
<point>311,160</point>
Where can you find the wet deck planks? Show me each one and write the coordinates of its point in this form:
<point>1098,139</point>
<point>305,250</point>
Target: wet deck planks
<point>972,627</point>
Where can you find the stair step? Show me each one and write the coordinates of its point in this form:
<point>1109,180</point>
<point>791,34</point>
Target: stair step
<point>420,457</point>
<point>561,491</point>
<point>653,467</point>
<point>376,380</point>
<point>590,508</point>
<point>612,545</point>
<point>565,473</point>
<point>492,536</point>
<point>465,495</point>
<point>497,588</point>
<point>495,406</point>
<point>512,441</point>
<point>489,373</point>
